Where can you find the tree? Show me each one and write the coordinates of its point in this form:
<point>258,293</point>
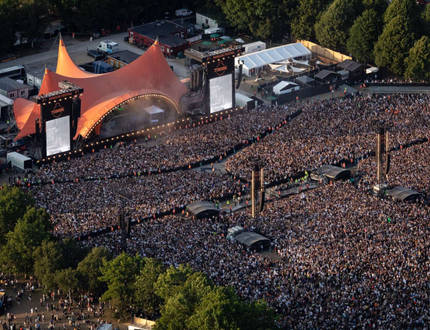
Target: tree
<point>67,280</point>
<point>74,252</point>
<point>7,32</point>
<point>186,296</point>
<point>198,304</point>
<point>13,205</point>
<point>308,13</point>
<point>217,310</point>
<point>120,274</point>
<point>257,315</point>
<point>28,234</point>
<point>377,5</point>
<point>236,12</point>
<point>408,9</point>
<point>89,271</point>
<point>172,281</point>
<point>418,62</point>
<point>425,17</point>
<point>47,260</point>
<point>144,296</point>
<point>265,19</point>
<point>363,36</point>
<point>332,29</point>
<point>393,45</point>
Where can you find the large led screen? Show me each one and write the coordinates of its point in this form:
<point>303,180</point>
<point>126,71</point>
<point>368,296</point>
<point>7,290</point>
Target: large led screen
<point>221,93</point>
<point>57,135</point>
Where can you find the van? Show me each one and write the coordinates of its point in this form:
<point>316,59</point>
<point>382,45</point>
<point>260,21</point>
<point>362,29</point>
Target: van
<point>108,47</point>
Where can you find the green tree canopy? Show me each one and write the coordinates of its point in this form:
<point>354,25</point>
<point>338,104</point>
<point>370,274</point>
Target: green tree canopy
<point>308,13</point>
<point>408,9</point>
<point>172,281</point>
<point>426,19</point>
<point>363,36</point>
<point>221,308</point>
<point>332,29</point>
<point>418,62</point>
<point>181,304</point>
<point>393,45</point>
<point>377,5</point>
<point>198,304</point>
<point>74,252</point>
<point>265,19</point>
<point>67,280</point>
<point>47,260</point>
<point>89,270</point>
<point>144,296</point>
<point>120,274</point>
<point>28,234</point>
<point>13,205</point>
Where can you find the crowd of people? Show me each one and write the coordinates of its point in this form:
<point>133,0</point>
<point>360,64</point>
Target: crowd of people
<point>408,168</point>
<point>340,257</point>
<point>81,207</point>
<point>55,310</point>
<point>170,149</point>
<point>333,130</point>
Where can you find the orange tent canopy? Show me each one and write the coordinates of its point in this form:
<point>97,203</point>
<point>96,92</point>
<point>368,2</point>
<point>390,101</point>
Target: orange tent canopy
<point>150,74</point>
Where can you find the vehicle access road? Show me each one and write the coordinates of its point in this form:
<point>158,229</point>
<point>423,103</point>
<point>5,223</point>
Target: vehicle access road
<point>78,52</point>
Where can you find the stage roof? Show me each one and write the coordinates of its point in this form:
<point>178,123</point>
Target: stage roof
<point>201,209</point>
<point>150,74</point>
<point>399,193</point>
<point>251,239</point>
<point>273,55</point>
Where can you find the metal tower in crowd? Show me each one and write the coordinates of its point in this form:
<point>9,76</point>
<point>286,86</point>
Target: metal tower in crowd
<point>257,187</point>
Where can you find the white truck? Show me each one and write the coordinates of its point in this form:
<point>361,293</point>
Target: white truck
<point>183,12</point>
<point>107,47</point>
<point>18,160</point>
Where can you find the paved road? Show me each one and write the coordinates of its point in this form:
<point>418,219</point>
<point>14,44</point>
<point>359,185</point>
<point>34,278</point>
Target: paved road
<point>78,52</point>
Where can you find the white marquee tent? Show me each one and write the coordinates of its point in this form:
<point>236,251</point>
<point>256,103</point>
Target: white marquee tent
<point>252,62</point>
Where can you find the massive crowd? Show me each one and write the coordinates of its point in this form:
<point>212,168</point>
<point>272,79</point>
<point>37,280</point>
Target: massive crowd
<point>408,168</point>
<point>340,257</point>
<point>173,149</point>
<point>333,130</point>
<point>81,207</point>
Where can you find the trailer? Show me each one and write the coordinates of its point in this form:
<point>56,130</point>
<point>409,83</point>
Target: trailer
<point>108,47</point>
<point>18,160</point>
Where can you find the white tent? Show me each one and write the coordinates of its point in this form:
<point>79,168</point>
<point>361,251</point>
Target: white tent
<point>243,100</point>
<point>285,87</point>
<point>256,60</point>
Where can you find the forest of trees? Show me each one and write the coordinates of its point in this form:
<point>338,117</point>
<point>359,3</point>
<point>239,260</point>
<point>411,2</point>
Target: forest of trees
<point>386,33</point>
<point>176,297</point>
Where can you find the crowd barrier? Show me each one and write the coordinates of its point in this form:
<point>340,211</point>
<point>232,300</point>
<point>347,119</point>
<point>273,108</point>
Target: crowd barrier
<point>92,147</point>
<point>398,84</point>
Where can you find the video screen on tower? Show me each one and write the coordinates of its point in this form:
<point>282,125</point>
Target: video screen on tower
<point>57,135</point>
<point>221,93</point>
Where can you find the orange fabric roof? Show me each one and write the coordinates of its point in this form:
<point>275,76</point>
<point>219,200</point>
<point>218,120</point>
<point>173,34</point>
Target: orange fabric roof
<point>66,66</point>
<point>149,74</point>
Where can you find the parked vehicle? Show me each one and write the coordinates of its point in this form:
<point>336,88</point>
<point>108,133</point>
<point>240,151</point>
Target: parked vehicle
<point>183,12</point>
<point>95,54</point>
<point>108,47</point>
